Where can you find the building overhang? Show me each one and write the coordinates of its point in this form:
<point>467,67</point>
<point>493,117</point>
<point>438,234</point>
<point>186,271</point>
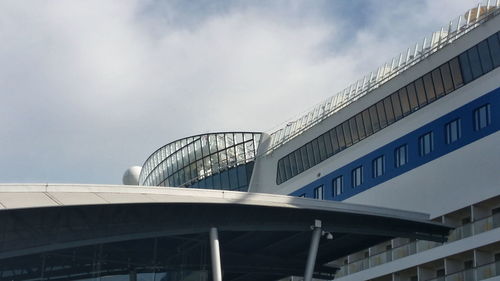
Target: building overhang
<point>262,236</point>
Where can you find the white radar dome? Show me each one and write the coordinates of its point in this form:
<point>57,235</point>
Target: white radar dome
<point>131,176</point>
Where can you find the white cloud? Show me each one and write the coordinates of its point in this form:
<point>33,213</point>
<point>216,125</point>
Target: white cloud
<point>91,87</point>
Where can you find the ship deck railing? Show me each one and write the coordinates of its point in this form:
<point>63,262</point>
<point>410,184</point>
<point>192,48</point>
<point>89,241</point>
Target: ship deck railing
<point>413,55</point>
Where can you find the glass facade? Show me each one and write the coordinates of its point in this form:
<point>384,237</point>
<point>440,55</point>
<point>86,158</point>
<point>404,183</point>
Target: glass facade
<point>215,161</point>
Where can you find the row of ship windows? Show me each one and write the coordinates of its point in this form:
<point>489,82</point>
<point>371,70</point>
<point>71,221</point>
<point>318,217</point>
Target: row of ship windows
<point>451,75</point>
<point>453,132</point>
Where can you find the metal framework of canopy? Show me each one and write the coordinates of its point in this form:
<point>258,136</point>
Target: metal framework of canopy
<point>73,232</point>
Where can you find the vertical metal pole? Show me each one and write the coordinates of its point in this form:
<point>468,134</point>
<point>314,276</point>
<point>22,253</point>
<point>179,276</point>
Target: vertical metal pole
<point>215,253</point>
<point>313,251</point>
<point>132,275</point>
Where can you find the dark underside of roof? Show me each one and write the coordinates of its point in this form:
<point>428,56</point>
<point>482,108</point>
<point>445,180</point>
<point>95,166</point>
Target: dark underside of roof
<point>256,242</point>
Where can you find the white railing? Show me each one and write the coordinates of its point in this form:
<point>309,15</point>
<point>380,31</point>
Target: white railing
<point>437,40</point>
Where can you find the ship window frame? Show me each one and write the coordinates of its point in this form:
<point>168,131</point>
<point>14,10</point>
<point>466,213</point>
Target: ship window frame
<point>465,67</point>
<point>447,78</point>
<point>482,117</point>
<point>374,118</point>
<point>367,122</point>
<point>396,106</point>
<point>347,133</point>
<point>378,166</point>
<point>360,125</point>
<point>401,155</point>
<point>319,192</point>
<point>337,186</point>
<point>357,176</point>
<point>475,62</point>
<point>389,111</point>
<point>381,114</point>
<point>437,81</point>
<point>421,88</point>
<point>426,143</point>
<point>494,46</point>
<point>354,130</point>
<point>453,130</point>
<point>484,56</point>
<point>335,143</point>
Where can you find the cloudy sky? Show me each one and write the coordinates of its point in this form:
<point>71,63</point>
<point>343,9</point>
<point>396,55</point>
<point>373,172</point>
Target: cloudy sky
<point>89,88</point>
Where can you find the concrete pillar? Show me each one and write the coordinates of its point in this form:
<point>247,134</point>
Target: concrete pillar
<point>313,251</point>
<point>215,254</point>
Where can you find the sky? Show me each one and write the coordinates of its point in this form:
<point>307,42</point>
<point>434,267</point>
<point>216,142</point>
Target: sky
<point>90,88</point>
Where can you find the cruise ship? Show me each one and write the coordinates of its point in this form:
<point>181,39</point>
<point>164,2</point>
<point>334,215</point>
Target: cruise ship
<point>421,133</point>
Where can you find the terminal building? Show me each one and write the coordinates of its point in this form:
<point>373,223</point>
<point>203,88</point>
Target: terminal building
<point>395,178</point>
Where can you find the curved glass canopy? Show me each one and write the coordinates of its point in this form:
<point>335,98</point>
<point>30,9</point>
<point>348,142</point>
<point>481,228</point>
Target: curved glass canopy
<point>215,160</point>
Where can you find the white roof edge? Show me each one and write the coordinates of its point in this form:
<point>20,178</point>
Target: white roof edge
<point>15,196</point>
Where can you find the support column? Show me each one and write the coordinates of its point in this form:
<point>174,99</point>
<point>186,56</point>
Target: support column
<point>313,251</point>
<point>215,254</point>
<point>132,275</point>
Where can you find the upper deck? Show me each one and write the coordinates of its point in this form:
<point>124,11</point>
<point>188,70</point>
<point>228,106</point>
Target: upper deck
<point>438,83</point>
<point>448,34</point>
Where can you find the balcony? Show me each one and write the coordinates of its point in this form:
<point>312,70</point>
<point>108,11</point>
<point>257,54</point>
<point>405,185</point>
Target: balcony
<point>478,273</point>
<point>413,247</point>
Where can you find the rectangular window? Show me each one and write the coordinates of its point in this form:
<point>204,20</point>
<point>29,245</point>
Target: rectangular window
<point>475,62</point>
<point>447,80</point>
<point>389,113</point>
<point>494,45</point>
<point>354,130</point>
<point>412,96</point>
<point>374,119</point>
<point>310,154</point>
<point>381,114</point>
<point>322,148</point>
<point>456,74</point>
<point>378,166</point>
<point>426,144</point>
<point>396,105</point>
<point>421,89</point>
<point>328,144</point>
<point>465,66</point>
<point>303,155</point>
<point>482,117</point>
<point>338,186</point>
<point>361,128</point>
<point>293,164</point>
<point>298,158</point>
<point>484,56</point>
<point>453,131</point>
<point>438,82</point>
<point>288,171</point>
<point>318,192</point>
<point>405,104</point>
<point>367,122</point>
<point>347,134</point>
<point>401,155</point>
<point>335,143</point>
<point>357,176</point>
<point>315,148</point>
<point>340,137</point>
